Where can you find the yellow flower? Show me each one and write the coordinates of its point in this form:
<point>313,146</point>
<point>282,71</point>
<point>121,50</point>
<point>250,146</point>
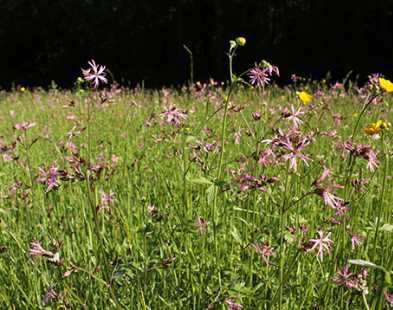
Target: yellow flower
<point>305,97</point>
<point>381,124</point>
<point>376,128</point>
<point>241,41</point>
<point>371,130</point>
<point>22,89</point>
<point>386,85</point>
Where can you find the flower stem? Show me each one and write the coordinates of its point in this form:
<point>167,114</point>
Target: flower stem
<point>382,192</point>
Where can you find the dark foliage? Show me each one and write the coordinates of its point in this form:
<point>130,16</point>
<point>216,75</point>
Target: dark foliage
<point>45,40</point>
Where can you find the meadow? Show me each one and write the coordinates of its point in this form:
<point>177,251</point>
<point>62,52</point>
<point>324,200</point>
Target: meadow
<point>208,196</point>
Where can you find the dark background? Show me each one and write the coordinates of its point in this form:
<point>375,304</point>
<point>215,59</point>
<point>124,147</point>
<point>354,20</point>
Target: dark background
<point>45,40</point>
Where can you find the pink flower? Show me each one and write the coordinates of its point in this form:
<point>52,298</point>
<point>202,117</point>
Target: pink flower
<point>36,249</point>
<point>356,240</point>
<point>107,200</point>
<point>50,177</point>
<point>344,277</point>
<point>295,149</point>
<point>293,115</point>
<point>24,126</point>
<point>260,74</point>
<point>352,281</point>
<point>95,74</point>
<point>267,157</point>
<point>325,192</point>
<point>361,150</point>
<point>256,115</point>
<point>330,199</point>
<point>236,137</point>
<point>232,305</point>
<point>201,225</point>
<point>174,116</point>
<point>337,119</point>
<point>49,296</point>
<point>264,250</point>
<point>321,244</point>
<point>389,298</point>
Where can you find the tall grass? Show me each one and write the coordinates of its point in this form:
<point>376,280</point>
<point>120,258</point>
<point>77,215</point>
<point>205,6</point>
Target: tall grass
<point>129,222</point>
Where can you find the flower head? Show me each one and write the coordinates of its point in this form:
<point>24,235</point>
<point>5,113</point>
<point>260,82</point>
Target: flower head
<point>107,200</point>
<point>389,299</point>
<point>24,126</point>
<point>356,240</point>
<point>241,41</point>
<point>232,305</point>
<point>36,249</point>
<point>264,250</point>
<point>260,74</point>
<point>321,244</point>
<point>95,75</point>
<point>174,116</point>
<point>344,277</point>
<point>49,295</point>
<point>386,85</point>
<point>304,96</point>
<point>201,225</point>
<point>376,128</point>
<point>50,177</point>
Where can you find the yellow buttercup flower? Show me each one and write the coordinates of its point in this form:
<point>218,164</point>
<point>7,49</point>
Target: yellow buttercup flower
<point>241,41</point>
<point>371,130</point>
<point>22,89</point>
<point>304,96</point>
<point>381,124</point>
<point>376,128</point>
<point>386,85</point>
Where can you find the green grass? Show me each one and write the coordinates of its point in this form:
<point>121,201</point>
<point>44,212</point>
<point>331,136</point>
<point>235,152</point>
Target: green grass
<point>133,256</point>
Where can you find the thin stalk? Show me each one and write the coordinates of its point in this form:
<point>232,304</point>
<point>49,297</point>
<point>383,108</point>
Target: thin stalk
<point>366,105</point>
<point>382,193</point>
<point>282,245</point>
<point>221,160</point>
<point>191,64</point>
<point>223,136</point>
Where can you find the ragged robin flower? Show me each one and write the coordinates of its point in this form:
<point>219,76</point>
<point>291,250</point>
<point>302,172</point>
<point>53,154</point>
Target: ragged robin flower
<point>304,96</point>
<point>376,128</point>
<point>386,85</point>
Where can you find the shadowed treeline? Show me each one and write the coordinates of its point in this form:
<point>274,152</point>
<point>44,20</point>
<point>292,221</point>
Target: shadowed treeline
<point>139,40</point>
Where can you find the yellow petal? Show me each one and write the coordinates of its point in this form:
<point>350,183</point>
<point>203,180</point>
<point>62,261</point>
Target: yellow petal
<point>305,97</point>
<point>386,85</point>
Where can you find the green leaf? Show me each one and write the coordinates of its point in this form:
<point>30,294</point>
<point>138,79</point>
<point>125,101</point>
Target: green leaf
<point>387,227</point>
<point>210,193</point>
<point>235,234</point>
<point>363,263</point>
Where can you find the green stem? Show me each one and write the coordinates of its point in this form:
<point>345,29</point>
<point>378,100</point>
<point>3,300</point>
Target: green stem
<point>221,160</point>
<point>223,136</point>
<point>381,197</point>
<point>365,302</point>
<point>367,104</point>
<point>282,245</point>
